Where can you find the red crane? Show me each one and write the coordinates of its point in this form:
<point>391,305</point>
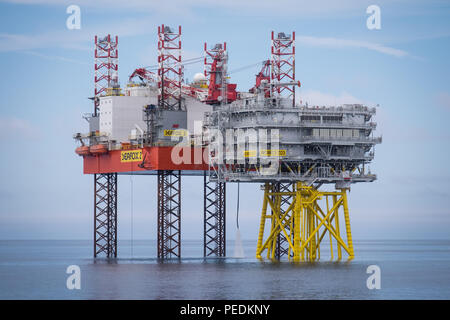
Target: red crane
<point>143,73</point>
<point>151,77</point>
<point>215,67</point>
<point>263,75</point>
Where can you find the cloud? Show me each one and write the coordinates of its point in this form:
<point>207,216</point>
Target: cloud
<point>58,58</point>
<point>183,8</point>
<point>13,128</point>
<point>65,40</point>
<point>347,43</point>
<point>260,8</point>
<point>74,39</point>
<point>291,7</point>
<point>68,40</point>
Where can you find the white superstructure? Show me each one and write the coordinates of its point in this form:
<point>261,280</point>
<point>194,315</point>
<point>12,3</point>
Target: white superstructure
<point>122,116</point>
<point>119,115</point>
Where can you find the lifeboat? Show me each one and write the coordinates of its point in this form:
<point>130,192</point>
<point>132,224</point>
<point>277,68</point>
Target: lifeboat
<point>82,151</point>
<point>98,149</point>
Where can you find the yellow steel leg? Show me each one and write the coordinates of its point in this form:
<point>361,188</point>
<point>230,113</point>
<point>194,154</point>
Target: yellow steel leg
<point>318,240</point>
<point>310,230</point>
<point>347,225</point>
<point>296,215</point>
<point>275,214</point>
<point>262,223</point>
<point>338,232</point>
<point>304,230</point>
<point>329,223</point>
<point>291,230</point>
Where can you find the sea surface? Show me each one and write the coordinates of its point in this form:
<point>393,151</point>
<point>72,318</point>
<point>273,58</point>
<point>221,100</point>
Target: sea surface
<point>410,269</point>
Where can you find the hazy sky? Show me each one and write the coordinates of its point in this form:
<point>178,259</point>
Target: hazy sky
<point>47,74</point>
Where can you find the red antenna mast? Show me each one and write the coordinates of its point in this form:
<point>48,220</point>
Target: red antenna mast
<point>106,66</point>
<point>170,69</point>
<point>283,64</point>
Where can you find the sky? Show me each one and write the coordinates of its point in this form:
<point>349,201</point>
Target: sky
<point>47,76</point>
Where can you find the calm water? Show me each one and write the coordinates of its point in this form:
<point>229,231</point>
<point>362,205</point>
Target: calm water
<point>37,270</point>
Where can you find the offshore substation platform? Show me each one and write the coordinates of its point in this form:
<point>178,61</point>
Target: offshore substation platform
<point>161,125</point>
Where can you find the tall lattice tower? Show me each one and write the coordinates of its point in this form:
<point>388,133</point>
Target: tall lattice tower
<point>283,65</point>
<point>170,69</point>
<point>105,184</point>
<point>106,66</point>
<point>170,75</point>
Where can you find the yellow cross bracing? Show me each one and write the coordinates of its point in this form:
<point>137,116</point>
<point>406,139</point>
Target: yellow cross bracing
<point>311,214</point>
